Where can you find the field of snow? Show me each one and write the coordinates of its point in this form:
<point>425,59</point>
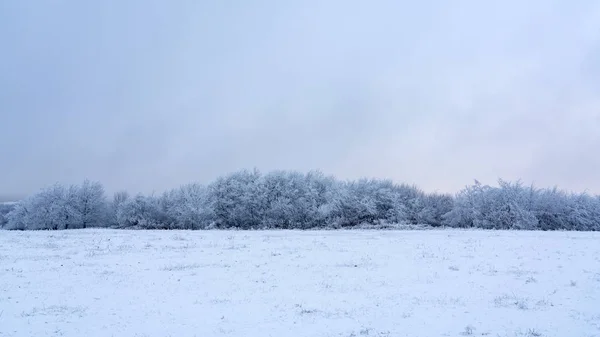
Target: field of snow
<point>289,283</point>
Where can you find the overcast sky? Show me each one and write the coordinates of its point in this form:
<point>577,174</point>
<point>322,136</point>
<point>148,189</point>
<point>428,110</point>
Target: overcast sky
<point>146,95</point>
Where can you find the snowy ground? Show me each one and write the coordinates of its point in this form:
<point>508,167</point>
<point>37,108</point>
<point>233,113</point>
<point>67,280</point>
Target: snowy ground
<point>286,283</point>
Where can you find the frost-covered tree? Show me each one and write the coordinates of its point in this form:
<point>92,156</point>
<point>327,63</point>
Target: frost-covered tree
<point>189,207</point>
<point>118,199</point>
<point>236,200</point>
<point>284,200</point>
<point>145,212</point>
<point>60,207</point>
<point>585,215</point>
<point>294,200</point>
<point>353,204</point>
<point>509,206</point>
<point>5,208</point>
<point>18,217</point>
<point>89,205</point>
<point>48,209</point>
<point>53,208</point>
<point>465,207</point>
<point>434,207</point>
<point>413,200</point>
<point>552,207</point>
<point>556,209</point>
<point>512,206</point>
<point>321,190</point>
<point>370,201</point>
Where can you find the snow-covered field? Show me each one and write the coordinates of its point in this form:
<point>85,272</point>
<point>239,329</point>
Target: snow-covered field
<point>289,283</point>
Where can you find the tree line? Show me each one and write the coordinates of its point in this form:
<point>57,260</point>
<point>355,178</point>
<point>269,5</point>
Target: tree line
<point>248,199</point>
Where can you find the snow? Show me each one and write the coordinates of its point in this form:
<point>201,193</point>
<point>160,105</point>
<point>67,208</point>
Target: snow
<point>292,283</point>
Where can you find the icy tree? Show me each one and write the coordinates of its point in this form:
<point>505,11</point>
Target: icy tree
<point>19,217</point>
<point>49,209</point>
<point>113,207</point>
<point>293,200</point>
<point>411,197</point>
<point>434,207</point>
<point>53,208</point>
<point>145,212</point>
<point>465,207</point>
<point>283,197</point>
<point>320,192</point>
<point>4,210</point>
<point>512,206</point>
<point>552,208</point>
<point>557,209</point>
<point>236,200</point>
<point>89,205</point>
<point>189,208</point>
<point>60,207</point>
<point>585,214</point>
<point>369,201</point>
<point>509,206</point>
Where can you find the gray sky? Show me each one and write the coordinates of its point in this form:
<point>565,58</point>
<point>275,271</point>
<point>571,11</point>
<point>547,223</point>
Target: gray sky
<point>146,95</point>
